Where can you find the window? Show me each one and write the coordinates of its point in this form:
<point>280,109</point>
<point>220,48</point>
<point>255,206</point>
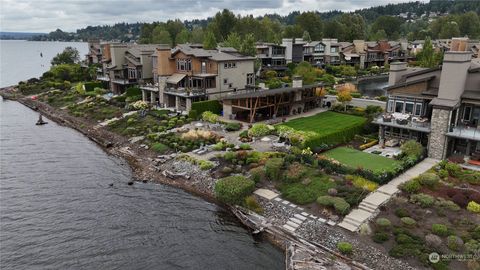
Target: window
<point>409,107</point>
<point>204,67</point>
<point>184,64</point>
<point>319,48</point>
<point>278,50</point>
<point>399,106</point>
<point>230,65</point>
<point>467,112</point>
<point>225,81</point>
<point>418,109</point>
<point>333,49</point>
<point>390,106</point>
<point>132,73</point>
<point>250,79</point>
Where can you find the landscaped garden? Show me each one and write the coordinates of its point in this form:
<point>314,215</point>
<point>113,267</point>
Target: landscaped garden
<point>358,159</point>
<point>436,212</point>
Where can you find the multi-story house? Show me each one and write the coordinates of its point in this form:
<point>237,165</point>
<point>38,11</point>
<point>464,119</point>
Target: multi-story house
<point>126,65</point>
<point>272,56</point>
<point>384,52</point>
<point>189,73</point>
<point>94,55</point>
<point>293,49</point>
<point>439,107</point>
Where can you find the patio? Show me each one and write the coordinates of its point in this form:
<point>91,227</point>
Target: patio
<point>389,152</point>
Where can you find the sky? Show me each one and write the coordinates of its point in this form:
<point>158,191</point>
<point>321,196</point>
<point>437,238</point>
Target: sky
<point>48,15</point>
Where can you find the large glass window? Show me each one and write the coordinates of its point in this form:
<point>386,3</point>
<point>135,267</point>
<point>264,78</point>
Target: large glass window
<point>418,109</point>
<point>390,106</point>
<point>409,107</point>
<point>184,64</point>
<point>399,106</point>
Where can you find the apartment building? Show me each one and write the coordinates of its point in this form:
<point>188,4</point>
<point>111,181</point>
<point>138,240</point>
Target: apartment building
<point>439,107</point>
<point>272,56</point>
<point>320,53</point>
<point>126,65</point>
<point>189,73</point>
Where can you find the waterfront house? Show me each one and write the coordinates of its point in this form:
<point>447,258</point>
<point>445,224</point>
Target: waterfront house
<point>251,105</point>
<point>439,107</point>
<point>189,73</point>
<point>94,55</point>
<point>272,57</point>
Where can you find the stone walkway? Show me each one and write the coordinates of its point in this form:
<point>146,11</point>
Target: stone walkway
<point>299,217</point>
<point>368,208</point>
<point>106,122</point>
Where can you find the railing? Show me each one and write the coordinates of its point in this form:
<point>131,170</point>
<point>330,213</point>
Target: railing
<point>404,122</point>
<point>103,78</point>
<point>123,81</point>
<point>183,91</point>
<point>465,132</point>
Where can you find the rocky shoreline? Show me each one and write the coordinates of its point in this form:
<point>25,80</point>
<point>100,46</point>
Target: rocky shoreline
<point>146,166</point>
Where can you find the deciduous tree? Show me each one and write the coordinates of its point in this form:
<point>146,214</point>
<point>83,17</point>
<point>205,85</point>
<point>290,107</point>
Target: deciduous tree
<point>69,55</point>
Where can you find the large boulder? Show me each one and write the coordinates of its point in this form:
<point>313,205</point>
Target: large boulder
<point>433,240</point>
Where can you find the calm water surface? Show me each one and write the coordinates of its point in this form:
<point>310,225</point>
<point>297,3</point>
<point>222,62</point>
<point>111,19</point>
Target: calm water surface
<point>58,210</point>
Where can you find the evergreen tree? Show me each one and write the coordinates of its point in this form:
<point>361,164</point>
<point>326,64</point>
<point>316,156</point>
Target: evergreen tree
<point>69,55</point>
<point>233,40</point>
<point>306,36</point>
<point>248,45</point>
<point>210,42</point>
<point>427,57</point>
<point>161,36</point>
<point>183,37</point>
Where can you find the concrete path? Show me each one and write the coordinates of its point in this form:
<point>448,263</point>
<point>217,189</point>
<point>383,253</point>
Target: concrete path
<point>367,209</point>
<point>300,216</point>
<point>106,122</point>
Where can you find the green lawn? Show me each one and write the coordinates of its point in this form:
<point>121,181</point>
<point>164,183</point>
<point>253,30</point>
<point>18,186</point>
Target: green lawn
<point>303,194</point>
<point>355,158</point>
<point>331,127</point>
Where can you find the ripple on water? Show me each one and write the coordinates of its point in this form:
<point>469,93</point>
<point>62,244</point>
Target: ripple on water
<point>59,212</point>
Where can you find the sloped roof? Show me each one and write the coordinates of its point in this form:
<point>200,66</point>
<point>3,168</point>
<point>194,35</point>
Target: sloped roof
<point>217,55</point>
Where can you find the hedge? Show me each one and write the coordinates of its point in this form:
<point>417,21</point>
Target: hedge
<point>234,189</point>
<point>90,86</point>
<point>339,137</point>
<point>213,106</point>
<point>133,91</point>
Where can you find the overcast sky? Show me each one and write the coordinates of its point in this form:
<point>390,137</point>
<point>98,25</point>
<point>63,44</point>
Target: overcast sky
<point>69,15</point>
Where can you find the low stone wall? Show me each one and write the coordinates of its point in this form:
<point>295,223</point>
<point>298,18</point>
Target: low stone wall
<point>357,102</point>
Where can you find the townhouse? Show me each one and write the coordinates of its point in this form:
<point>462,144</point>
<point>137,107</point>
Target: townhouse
<point>189,73</point>
<point>439,107</point>
<point>125,65</point>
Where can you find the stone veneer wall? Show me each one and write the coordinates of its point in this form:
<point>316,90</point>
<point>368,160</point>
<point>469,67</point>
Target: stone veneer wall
<point>439,125</point>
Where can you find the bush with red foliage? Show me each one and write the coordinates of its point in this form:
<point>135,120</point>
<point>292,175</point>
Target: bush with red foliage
<point>460,199</point>
<point>474,196</point>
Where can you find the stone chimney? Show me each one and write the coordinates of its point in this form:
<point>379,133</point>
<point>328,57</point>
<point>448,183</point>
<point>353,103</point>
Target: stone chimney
<point>397,70</point>
<point>459,45</point>
<point>297,81</point>
<point>454,74</point>
<point>359,45</point>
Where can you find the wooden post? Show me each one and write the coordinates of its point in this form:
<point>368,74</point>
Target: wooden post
<point>254,111</point>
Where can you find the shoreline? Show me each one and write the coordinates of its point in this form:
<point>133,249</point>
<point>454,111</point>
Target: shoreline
<point>145,168</point>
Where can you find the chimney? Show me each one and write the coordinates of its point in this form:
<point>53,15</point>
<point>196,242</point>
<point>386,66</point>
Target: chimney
<point>359,45</point>
<point>397,70</point>
<point>459,45</point>
<point>454,74</point>
<point>297,82</point>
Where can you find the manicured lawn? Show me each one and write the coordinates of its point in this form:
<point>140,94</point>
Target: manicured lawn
<point>328,128</point>
<point>326,123</point>
<point>355,158</point>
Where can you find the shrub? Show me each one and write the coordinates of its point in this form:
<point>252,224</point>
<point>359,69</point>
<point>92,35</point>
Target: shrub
<point>442,203</point>
<point>472,246</point>
<point>460,199</point>
<point>442,173</point>
<point>401,212</point>
<point>363,183</point>
<point>233,189</point>
<point>193,114</point>
<point>412,148</point>
<point>133,91</point>
<point>380,237</point>
<point>205,165</point>
<point>325,200</point>
<point>233,126</point>
<point>273,168</point>
<point>411,186</point>
<point>422,199</point>
<point>259,130</point>
<point>471,177</point>
<point>439,229</point>
<point>159,147</point>
<point>473,207</point>
<point>454,242</point>
<point>245,146</point>
<point>453,169</point>
<point>208,116</point>
<point>90,86</point>
<point>252,204</point>
<point>428,179</point>
<point>243,134</point>
<point>295,172</point>
<point>408,221</point>
<point>257,174</point>
<point>383,223</point>
<point>213,106</point>
<point>340,205</point>
<point>345,247</point>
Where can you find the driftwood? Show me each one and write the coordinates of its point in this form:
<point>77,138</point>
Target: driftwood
<point>172,175</point>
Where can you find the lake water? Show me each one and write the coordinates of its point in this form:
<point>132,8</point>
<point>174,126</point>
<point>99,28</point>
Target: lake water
<point>58,210</point>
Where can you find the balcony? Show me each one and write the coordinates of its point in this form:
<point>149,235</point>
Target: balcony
<point>103,78</point>
<point>124,81</point>
<point>149,87</point>
<point>181,91</point>
<point>465,132</point>
<point>405,121</point>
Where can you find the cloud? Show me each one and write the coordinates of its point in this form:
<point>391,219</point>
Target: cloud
<point>69,15</point>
